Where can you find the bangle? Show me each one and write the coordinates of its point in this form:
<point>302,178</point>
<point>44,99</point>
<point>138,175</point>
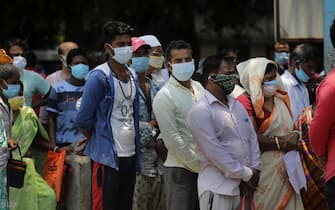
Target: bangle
<point>297,132</point>
<point>277,142</point>
<point>56,148</point>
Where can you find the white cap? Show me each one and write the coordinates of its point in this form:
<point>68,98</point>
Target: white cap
<point>151,40</point>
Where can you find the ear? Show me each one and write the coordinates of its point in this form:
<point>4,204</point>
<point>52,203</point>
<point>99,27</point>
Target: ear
<point>3,84</point>
<point>168,66</point>
<point>108,48</point>
<point>297,63</point>
<point>61,58</point>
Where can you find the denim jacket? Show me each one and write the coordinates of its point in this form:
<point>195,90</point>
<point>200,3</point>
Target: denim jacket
<point>94,115</point>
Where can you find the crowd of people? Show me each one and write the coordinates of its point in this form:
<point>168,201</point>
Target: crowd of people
<point>141,133</point>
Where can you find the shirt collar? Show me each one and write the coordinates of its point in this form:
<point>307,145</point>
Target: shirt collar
<point>175,82</point>
<point>212,99</point>
<point>291,79</point>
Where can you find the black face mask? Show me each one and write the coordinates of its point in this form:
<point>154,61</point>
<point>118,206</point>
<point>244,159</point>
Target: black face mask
<point>225,81</point>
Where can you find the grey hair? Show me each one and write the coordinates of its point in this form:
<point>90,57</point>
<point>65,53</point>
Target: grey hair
<point>7,70</point>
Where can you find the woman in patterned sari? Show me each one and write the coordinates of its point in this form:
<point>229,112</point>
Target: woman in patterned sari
<point>27,131</point>
<point>282,175</point>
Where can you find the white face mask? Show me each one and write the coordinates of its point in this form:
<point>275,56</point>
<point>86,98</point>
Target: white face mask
<point>270,88</point>
<point>183,71</point>
<point>20,62</point>
<point>122,55</point>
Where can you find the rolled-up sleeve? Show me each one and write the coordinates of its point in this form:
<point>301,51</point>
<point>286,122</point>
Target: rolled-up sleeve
<point>165,113</point>
<point>201,125</point>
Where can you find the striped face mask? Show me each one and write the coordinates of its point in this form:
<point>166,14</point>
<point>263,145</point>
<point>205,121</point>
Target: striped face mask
<point>225,81</point>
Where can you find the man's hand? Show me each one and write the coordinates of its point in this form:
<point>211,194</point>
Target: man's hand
<point>253,182</point>
<point>12,144</point>
<point>246,190</point>
<point>160,149</point>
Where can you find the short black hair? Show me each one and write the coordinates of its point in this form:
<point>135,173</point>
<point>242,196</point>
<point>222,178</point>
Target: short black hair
<point>304,52</point>
<point>15,42</point>
<point>73,53</point>
<point>7,70</point>
<point>176,44</point>
<point>31,59</point>
<point>213,63</point>
<point>114,28</point>
<point>332,33</point>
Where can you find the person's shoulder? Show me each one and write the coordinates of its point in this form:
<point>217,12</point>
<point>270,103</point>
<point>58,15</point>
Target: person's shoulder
<point>329,80</point>
<point>197,85</point>
<point>32,74</point>
<point>61,85</point>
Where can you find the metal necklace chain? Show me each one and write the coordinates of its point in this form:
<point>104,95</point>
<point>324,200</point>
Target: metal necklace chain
<point>131,90</point>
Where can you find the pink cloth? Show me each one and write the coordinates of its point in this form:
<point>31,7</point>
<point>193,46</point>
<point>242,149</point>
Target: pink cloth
<point>322,129</point>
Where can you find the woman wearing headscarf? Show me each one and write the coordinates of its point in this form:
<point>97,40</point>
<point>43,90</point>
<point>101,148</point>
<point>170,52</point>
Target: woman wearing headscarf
<point>282,176</point>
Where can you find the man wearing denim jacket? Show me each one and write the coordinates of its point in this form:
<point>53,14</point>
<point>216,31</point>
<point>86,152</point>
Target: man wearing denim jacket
<point>108,117</point>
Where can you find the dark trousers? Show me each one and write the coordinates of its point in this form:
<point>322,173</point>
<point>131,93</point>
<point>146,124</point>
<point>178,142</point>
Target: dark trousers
<point>330,193</point>
<point>112,189</point>
<point>181,189</point>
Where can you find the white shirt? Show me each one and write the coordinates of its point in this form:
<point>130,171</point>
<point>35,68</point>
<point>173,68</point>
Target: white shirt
<point>297,92</point>
<point>171,105</point>
<point>122,119</point>
<point>227,144</point>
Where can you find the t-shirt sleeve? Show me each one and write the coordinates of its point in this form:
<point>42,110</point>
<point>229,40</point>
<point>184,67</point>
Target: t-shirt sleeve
<point>246,102</point>
<point>53,101</point>
<point>42,85</point>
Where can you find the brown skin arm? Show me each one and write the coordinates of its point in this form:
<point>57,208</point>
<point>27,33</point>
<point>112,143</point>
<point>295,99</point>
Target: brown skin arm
<point>52,128</point>
<point>287,143</point>
<point>43,101</point>
<point>43,143</point>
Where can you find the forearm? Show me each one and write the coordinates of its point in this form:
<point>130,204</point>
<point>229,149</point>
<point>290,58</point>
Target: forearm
<point>52,130</point>
<point>40,102</point>
<point>43,143</point>
<point>87,134</point>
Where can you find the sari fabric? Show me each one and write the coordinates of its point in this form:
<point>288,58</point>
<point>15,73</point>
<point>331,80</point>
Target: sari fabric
<point>35,193</point>
<point>275,190</point>
<point>314,197</point>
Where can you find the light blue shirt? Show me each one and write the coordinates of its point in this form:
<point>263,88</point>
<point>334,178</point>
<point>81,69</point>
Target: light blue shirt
<point>33,83</point>
<point>297,92</point>
<point>62,101</point>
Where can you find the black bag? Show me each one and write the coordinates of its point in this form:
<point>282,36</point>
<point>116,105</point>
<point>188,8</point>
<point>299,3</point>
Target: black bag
<point>16,169</point>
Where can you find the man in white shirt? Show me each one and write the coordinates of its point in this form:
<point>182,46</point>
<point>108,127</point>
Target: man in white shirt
<point>171,106</point>
<point>303,64</point>
<point>228,145</point>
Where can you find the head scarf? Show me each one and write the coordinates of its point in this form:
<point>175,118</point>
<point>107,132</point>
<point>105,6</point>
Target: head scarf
<point>4,58</point>
<point>251,74</point>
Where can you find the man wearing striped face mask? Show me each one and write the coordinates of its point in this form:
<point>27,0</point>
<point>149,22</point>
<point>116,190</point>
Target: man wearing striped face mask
<point>227,142</point>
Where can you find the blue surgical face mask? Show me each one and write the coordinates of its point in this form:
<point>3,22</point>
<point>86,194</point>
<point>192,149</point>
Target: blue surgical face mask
<point>140,64</point>
<point>20,62</point>
<point>79,71</point>
<point>301,75</point>
<point>270,88</point>
<point>11,91</point>
<point>183,71</point>
<point>281,57</point>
